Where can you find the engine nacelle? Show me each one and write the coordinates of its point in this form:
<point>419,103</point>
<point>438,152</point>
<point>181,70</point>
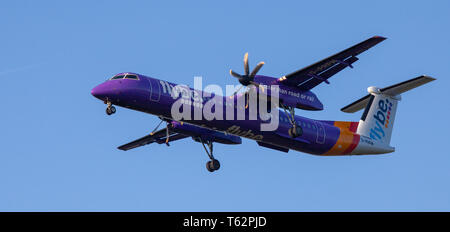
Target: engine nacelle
<point>289,96</point>
<point>305,100</point>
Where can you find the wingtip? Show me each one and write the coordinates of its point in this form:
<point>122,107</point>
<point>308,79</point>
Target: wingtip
<point>379,37</point>
<point>428,77</point>
<point>345,110</point>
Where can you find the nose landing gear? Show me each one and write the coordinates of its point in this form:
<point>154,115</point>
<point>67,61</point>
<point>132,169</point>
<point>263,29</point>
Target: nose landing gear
<point>214,164</point>
<point>110,109</point>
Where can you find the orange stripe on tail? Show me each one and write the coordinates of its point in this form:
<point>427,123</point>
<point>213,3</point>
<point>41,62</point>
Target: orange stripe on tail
<point>347,140</point>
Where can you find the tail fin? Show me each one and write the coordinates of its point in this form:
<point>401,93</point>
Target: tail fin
<point>380,105</point>
<point>377,120</point>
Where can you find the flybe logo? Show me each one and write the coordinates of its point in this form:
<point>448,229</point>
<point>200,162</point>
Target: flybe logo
<point>248,134</point>
<point>381,117</point>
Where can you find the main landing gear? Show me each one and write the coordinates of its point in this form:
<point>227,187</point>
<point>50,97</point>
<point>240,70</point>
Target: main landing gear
<point>110,109</point>
<point>214,164</point>
<point>168,127</point>
<point>295,130</point>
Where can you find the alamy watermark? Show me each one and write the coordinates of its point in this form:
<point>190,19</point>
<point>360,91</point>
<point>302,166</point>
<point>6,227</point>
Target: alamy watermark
<point>209,103</point>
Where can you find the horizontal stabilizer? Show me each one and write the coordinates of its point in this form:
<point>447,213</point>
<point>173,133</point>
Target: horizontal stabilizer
<point>392,90</point>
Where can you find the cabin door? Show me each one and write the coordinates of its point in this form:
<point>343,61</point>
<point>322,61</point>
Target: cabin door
<point>320,132</point>
<point>155,90</point>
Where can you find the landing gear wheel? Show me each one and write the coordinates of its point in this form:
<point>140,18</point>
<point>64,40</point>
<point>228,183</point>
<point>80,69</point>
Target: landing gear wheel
<point>213,165</point>
<point>209,166</point>
<point>110,110</point>
<point>290,133</point>
<point>295,131</point>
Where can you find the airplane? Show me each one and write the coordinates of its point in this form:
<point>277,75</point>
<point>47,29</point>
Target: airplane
<point>370,135</point>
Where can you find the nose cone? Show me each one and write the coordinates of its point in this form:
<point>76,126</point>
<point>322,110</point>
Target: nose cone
<point>100,91</point>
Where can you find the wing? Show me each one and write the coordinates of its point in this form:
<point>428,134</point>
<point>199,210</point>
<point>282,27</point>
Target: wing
<point>311,76</point>
<point>158,137</point>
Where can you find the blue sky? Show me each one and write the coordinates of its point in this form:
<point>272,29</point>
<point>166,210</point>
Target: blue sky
<point>59,147</point>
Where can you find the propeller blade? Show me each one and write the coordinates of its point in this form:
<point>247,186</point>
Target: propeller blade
<point>256,69</point>
<point>247,97</point>
<point>246,68</point>
<point>237,75</point>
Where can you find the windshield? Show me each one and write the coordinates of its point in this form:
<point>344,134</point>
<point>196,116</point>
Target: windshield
<point>117,77</point>
<point>132,76</point>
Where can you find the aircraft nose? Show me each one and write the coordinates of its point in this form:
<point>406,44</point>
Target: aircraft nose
<point>100,91</point>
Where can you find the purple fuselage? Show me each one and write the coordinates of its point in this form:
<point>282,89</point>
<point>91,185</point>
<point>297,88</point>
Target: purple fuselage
<point>153,96</point>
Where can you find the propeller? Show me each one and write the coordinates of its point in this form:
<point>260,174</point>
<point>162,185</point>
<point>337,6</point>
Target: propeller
<point>247,78</point>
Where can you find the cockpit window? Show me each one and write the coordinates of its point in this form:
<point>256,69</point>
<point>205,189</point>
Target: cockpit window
<point>131,76</point>
<point>117,77</point>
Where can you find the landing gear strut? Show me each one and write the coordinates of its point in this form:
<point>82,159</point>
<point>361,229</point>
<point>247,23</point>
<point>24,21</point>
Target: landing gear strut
<point>168,127</point>
<point>167,134</point>
<point>214,164</point>
<point>110,109</point>
<point>295,130</point>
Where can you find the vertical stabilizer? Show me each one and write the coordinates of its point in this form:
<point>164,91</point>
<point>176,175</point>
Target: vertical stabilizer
<point>378,118</point>
<point>377,121</point>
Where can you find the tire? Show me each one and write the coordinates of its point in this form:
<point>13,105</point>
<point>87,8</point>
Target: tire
<point>209,166</point>
<point>113,109</point>
<point>291,132</point>
<point>108,111</point>
<point>215,164</point>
